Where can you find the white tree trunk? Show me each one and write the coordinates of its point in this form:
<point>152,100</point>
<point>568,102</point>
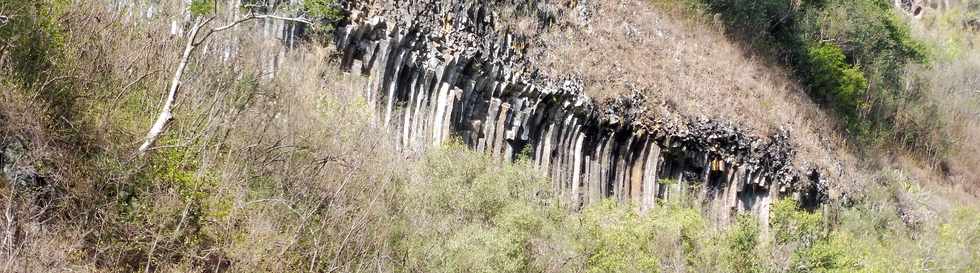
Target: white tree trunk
<point>166,113</point>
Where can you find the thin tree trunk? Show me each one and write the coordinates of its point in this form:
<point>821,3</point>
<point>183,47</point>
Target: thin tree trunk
<point>166,113</point>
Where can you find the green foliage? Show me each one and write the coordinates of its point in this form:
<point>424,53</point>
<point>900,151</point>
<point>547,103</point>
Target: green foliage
<point>34,58</point>
<point>815,249</point>
<point>32,38</point>
<point>480,216</point>
<point>832,80</point>
<point>827,255</point>
<point>852,56</point>
<point>327,12</point>
<point>466,213</point>
<point>324,9</point>
<point>790,224</point>
<point>743,239</point>
<point>618,240</point>
<point>174,170</point>
<point>202,7</point>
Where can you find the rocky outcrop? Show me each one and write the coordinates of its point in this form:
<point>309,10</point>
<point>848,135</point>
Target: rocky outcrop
<point>449,72</point>
<point>972,25</point>
<point>13,174</point>
<point>437,71</point>
<point>914,8</point>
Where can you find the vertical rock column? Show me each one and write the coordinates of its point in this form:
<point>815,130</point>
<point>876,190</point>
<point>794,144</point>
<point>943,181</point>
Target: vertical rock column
<point>425,98</point>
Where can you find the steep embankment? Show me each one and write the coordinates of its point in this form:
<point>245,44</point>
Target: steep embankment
<point>440,70</point>
<point>276,161</point>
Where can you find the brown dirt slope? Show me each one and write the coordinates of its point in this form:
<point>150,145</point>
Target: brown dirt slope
<point>686,66</point>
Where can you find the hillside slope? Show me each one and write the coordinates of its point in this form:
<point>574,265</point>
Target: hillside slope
<point>297,145</point>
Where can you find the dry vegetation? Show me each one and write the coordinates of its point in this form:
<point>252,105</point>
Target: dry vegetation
<point>953,83</point>
<point>686,66</point>
<point>285,172</point>
<point>274,173</point>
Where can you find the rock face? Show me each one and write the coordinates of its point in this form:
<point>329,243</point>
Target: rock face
<point>441,70</point>
<point>913,8</point>
<point>17,175</point>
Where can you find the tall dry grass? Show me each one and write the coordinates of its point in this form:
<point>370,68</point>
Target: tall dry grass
<point>274,172</point>
<point>950,81</point>
<point>286,172</point>
<point>688,68</point>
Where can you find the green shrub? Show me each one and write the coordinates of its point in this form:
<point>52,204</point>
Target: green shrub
<point>32,39</point>
<point>466,213</point>
<point>325,9</point>
<point>814,249</point>
<point>327,12</point>
<point>202,7</point>
<point>833,81</point>
<point>790,224</point>
<point>480,216</point>
<point>743,239</point>
<point>851,55</point>
<point>828,255</point>
<point>618,240</point>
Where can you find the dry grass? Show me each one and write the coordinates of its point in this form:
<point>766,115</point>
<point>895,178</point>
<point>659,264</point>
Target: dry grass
<point>272,172</point>
<point>951,82</point>
<point>686,66</point>
<point>285,172</point>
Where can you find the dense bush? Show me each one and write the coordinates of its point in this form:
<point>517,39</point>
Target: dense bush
<point>256,176</point>
<point>327,12</point>
<point>468,214</point>
<point>835,82</point>
<point>851,55</point>
<point>791,224</point>
<point>743,241</point>
<point>202,7</point>
<point>465,213</point>
<point>31,39</point>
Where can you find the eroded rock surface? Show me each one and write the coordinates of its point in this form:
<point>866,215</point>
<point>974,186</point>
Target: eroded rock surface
<point>438,70</point>
<point>441,70</point>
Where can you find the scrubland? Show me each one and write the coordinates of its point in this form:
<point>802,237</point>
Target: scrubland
<point>686,67</point>
<point>287,171</point>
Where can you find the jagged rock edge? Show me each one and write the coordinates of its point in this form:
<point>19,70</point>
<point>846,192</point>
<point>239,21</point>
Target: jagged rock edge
<point>463,77</point>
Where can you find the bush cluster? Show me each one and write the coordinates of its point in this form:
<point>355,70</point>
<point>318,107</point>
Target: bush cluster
<point>832,80</point>
<point>285,173</point>
<point>851,55</point>
<point>327,12</point>
<point>466,213</point>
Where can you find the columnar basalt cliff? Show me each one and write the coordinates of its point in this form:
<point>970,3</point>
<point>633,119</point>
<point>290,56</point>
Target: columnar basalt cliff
<point>438,71</point>
<point>446,71</point>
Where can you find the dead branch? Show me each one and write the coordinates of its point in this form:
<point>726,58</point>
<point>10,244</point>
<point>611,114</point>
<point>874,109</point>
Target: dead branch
<point>166,112</point>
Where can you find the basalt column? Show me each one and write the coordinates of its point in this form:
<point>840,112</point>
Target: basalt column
<point>428,89</point>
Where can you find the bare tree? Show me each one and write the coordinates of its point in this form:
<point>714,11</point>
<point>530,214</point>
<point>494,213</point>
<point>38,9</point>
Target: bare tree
<point>200,22</point>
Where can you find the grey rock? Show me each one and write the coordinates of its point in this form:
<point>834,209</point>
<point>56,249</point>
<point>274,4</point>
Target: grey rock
<point>612,149</point>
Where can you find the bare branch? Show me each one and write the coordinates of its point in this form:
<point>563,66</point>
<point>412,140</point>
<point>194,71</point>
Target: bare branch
<point>250,17</point>
<point>166,113</point>
<point>290,19</point>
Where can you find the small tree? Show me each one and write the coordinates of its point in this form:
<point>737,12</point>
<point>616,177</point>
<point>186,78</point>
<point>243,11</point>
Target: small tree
<point>326,12</point>
<point>203,11</point>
